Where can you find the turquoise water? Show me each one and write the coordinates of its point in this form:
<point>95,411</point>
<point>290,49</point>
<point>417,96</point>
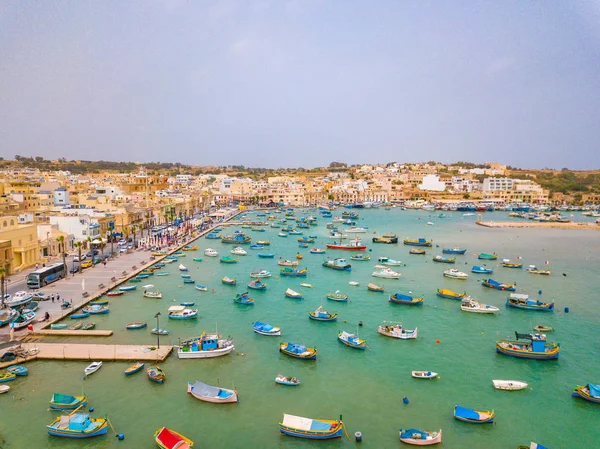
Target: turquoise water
<point>365,387</point>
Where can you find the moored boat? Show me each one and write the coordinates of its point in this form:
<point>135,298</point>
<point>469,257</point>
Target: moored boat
<point>204,347</point>
<point>486,256</point>
<point>424,374</point>
<point>88,326</point>
<point>288,263</point>
<point>154,295</point>
<point>182,267</point>
<point>542,328</point>
<point>449,294</point>
<point>287,380</point>
<point>201,288</point>
<point>257,284</point>
<point>473,416</point>
<point>537,349</point>
<point>420,252</point>
<point>18,370</point>
<point>400,298</point>
<point>23,319</point>
<point>182,313</point>
<point>208,393</point>
<point>315,429</point>
<point>77,316</point>
<point>244,299</point>
<point>228,259</point>
<point>126,288</point>
<point>7,377</point>
<point>337,296</point>
<point>470,305</point>
<point>322,315</point>
<point>156,374</point>
<point>77,425</point>
<point>293,294</point>
<point>397,330</point>
<point>292,272</point>
<point>136,367</point>
<point>228,281</point>
<point>534,270</point>
<point>480,269</point>
<point>510,385</point>
<point>60,401</point>
<point>375,288</point>
<point>352,340</point>
<point>360,257</point>
<point>386,238</point>
<point>260,274</point>
<point>169,439</point>
<point>454,250</point>
<point>139,325</point>
<point>453,273</point>
<point>96,310</point>
<point>351,245</point>
<point>417,242</point>
<point>495,285</point>
<point>317,251</point>
<point>443,259</point>
<point>266,329</point>
<point>522,301</point>
<point>420,437</point>
<point>339,264</point>
<point>298,351</point>
<point>210,252</point>
<point>159,331</point>
<point>119,293</point>
<point>506,263</point>
<point>589,392</point>
<point>386,273</point>
<point>238,251</point>
<point>92,368</point>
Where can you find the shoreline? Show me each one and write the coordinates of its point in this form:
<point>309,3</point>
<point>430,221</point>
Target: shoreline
<point>537,224</point>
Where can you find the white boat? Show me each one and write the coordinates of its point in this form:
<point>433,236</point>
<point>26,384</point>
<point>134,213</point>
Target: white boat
<point>155,295</point>
<point>397,331</point>
<point>288,263</point>
<point>239,251</point>
<point>386,273</point>
<point>430,223</point>
<point>282,234</point>
<point>92,368</point>
<point>354,283</point>
<point>293,294</point>
<point>424,374</point>
<point>307,285</point>
<point>19,299</point>
<point>209,252</point>
<point>392,263</point>
<point>260,274</point>
<point>204,347</point>
<point>470,305</point>
<point>4,388</point>
<point>202,288</point>
<point>182,267</point>
<point>453,273</point>
<point>266,329</point>
<point>510,385</point>
<point>356,230</point>
<point>337,235</point>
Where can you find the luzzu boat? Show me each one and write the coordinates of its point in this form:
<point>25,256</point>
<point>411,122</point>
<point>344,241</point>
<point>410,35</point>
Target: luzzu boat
<point>420,437</point>
<point>352,340</point>
<point>228,281</point>
<point>443,259</point>
<point>322,315</point>
<point>293,294</point>
<point>538,349</point>
<point>315,429</point>
<point>240,239</point>
<point>156,374</point>
<point>208,393</point>
<point>454,250</point>
<point>77,425</point>
<point>169,439</point>
<point>480,269</point>
<point>337,296</point>
<point>486,256</point>
<point>287,271</point>
<point>400,298</point>
<point>417,242</point>
<point>506,263</point>
<point>243,299</point>
<point>361,257</point>
<point>589,392</point>
<point>397,331</point>
<point>60,401</point>
<point>521,301</point>
<point>337,264</point>
<point>287,380</point>
<point>473,416</point>
<point>266,329</point>
<point>298,351</point>
<point>257,284</point>
<point>491,283</point>
<point>534,270</point>
<point>449,294</point>
<point>204,347</point>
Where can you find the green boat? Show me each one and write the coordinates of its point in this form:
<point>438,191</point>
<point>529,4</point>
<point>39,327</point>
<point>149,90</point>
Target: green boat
<point>228,259</point>
<point>486,256</point>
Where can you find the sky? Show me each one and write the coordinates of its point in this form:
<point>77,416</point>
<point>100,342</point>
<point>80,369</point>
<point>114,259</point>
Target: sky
<point>302,83</point>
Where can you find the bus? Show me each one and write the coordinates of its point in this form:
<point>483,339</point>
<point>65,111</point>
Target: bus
<point>44,276</point>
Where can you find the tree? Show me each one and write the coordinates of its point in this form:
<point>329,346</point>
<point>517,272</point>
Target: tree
<point>2,292</point>
<point>102,250</point>
<point>61,244</point>
<point>111,236</point>
<point>134,229</point>
<point>466,196</point>
<point>78,245</point>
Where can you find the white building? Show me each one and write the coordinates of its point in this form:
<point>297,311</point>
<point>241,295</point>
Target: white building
<point>61,197</point>
<point>493,184</point>
<point>79,226</point>
<point>433,183</point>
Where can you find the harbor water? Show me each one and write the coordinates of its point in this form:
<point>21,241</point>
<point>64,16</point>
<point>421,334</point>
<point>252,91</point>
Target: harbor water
<point>365,387</point>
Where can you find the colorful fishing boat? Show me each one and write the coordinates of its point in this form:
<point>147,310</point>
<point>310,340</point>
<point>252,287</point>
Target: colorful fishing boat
<point>182,313</point>
<point>298,351</point>
<point>351,245</point>
<point>257,284</point>
<point>228,281</point>
<point>113,293</point>
<point>470,305</point>
<point>480,269</point>
<point>7,377</point>
<point>352,340</point>
<point>159,331</point>
<point>263,242</point>
<point>266,329</point>
<point>509,385</point>
<point>155,374</point>
<point>337,264</point>
<point>60,401</point>
<point>96,310</point>
<point>454,250</point>
<point>201,288</point>
<point>473,416</point>
<point>521,301</point>
<point>293,294</point>
<point>534,270</point>
<point>486,256</point>
<point>292,272</point>
<point>77,425</point>
<point>420,252</point>
<point>506,263</point>
<point>243,299</point>
<point>190,248</point>
<point>537,349</point>
<point>443,259</point>
<point>386,238</point>
<point>136,367</point>
<point>23,319</point>
<point>238,238</point>
<point>417,242</point>
<point>397,330</point>
<point>99,302</point>
<point>589,392</point>
<point>420,437</point>
<point>337,296</point>
<point>138,325</point>
<point>542,328</point>
<point>322,315</point>
<point>204,347</point>
<point>491,283</point>
<point>153,295</point>
<point>88,326</point>
<point>317,251</point>
<point>18,370</point>
<point>208,393</point>
<point>288,263</point>
<point>169,439</point>
<point>126,288</point>
<point>400,298</point>
<point>360,257</point>
<point>287,380</point>
<point>314,429</point>
<point>449,294</point>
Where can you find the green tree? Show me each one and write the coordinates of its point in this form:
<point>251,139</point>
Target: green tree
<point>78,245</point>
<point>2,292</point>
<point>61,245</point>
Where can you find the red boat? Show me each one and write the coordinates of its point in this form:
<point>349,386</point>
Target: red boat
<point>114,293</point>
<point>169,439</point>
<point>352,245</point>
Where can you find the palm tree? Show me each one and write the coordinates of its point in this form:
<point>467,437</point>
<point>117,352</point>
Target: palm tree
<point>91,246</point>
<point>78,245</point>
<point>2,274</point>
<point>112,239</point>
<point>134,229</point>
<point>61,244</point>
<point>102,250</point>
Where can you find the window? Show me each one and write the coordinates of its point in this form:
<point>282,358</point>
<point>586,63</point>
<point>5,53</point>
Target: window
<point>5,224</point>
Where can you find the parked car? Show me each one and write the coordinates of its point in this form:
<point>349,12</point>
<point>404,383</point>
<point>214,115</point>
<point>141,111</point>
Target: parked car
<point>76,257</point>
<point>122,242</point>
<point>86,264</point>
<point>74,269</point>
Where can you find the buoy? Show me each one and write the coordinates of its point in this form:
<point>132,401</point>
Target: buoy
<point>539,292</point>
<point>358,436</point>
<point>405,400</point>
<point>121,437</point>
<point>437,341</point>
<point>91,409</point>
<point>360,323</point>
<point>566,310</point>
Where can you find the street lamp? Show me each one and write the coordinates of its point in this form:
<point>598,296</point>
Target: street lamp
<point>157,330</point>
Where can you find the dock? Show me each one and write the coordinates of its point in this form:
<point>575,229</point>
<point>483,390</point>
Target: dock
<point>72,333</point>
<point>539,225</point>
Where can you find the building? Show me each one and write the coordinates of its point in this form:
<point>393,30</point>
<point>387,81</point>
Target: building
<point>494,184</point>
<point>61,197</point>
<point>23,241</point>
<point>433,183</point>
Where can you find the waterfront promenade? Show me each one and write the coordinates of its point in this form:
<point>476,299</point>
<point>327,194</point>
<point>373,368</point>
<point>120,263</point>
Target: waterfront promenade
<point>539,225</point>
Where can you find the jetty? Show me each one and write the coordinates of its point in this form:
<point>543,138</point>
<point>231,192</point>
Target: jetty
<point>539,225</point>
<point>72,333</point>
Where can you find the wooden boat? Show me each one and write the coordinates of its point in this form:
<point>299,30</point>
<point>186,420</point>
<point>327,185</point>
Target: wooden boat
<point>266,329</point>
<point>155,374</point>
<point>202,288</point>
<point>77,425</point>
<point>287,380</point>
<point>153,295</point>
<point>454,250</point>
<point>182,313</point>
<point>589,392</point>
<point>443,259</point>
<point>257,285</point>
<point>228,259</point>
<point>424,374</point>
<point>113,293</point>
<point>58,326</point>
<point>322,315</point>
<point>138,325</point>
<point>314,429</point>
<point>375,288</point>
<point>521,301</point>
<point>263,242</point>
<point>491,283</point>
<point>293,294</point>
<point>386,238</point>
<point>360,257</point>
<point>159,331</point>
<point>317,251</point>
<point>351,245</point>
<point>208,393</point>
<point>337,264</point>
<point>470,305</point>
<point>418,242</point>
<point>287,271</point>
<point>509,385</point>
<point>420,437</point>
<point>205,346</point>
<point>486,256</point>
<point>169,439</point>
<point>287,263</point>
<point>473,416</point>
<point>243,299</point>
<point>453,273</point>
<point>449,294</point>
<point>417,251</point>
<point>398,331</point>
<point>228,281</point>
<point>298,351</point>
<point>22,320</point>
<point>88,326</point>
<point>352,340</point>
<point>266,255</point>
<point>337,296</point>
<point>136,367</point>
<point>400,298</point>
<point>60,401</point>
<point>541,328</point>
<point>4,389</point>
<point>7,377</point>
<point>18,370</point>
<point>537,349</point>
<point>190,248</point>
<point>260,274</point>
<point>99,302</point>
<point>534,270</point>
<point>75,327</point>
<point>96,310</point>
<point>92,368</point>
<point>127,288</point>
<point>508,264</point>
<point>481,270</point>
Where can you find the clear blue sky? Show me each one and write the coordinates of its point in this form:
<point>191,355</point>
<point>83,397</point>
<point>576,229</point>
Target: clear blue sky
<point>302,83</point>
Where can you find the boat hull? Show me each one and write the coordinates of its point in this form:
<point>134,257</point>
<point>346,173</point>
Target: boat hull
<point>204,354</point>
<point>336,432</point>
<point>524,354</point>
<point>580,392</point>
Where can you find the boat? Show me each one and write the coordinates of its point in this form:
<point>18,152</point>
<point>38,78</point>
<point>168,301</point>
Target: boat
<point>386,238</point>
<point>375,287</point>
<point>288,263</point>
<point>391,263</point>
<point>139,325</point>
<point>228,259</point>
<point>7,315</point>
<point>454,250</point>
<point>534,270</point>
<point>4,389</point>
<point>182,313</point>
<point>208,393</point>
<point>287,271</point>
<point>77,316</point>
<point>506,263</point>
<point>480,269</point>
<point>155,374</point>
<point>23,319</point>
<point>453,273</point>
<point>510,385</point>
<point>228,281</point>
<point>75,327</point>
<point>197,259</point>
<point>443,259</point>
<point>18,370</point>
<point>255,246</point>
<point>201,288</point>
<point>417,251</point>
<point>239,251</point>
<point>266,329</point>
<point>182,267</point>
<point>238,238</point>
<point>337,264</point>
<point>210,252</point>
<point>257,284</point>
<point>400,298</point>
<point>99,302</point>
<point>589,392</point>
<point>322,315</point>
<point>491,283</point>
<point>77,425</point>
<point>92,368</point>
<point>397,330</point>
<point>190,248</point>
<point>266,255</point>
<point>352,340</point>
<point>88,326</point>
<point>159,331</point>
<point>314,429</point>
<point>351,245</point>
<point>18,299</point>
<point>136,367</point>
<point>243,299</point>
<point>60,401</point>
<point>7,377</point>
<point>169,439</point>
<point>337,296</point>
<point>354,283</point>
<point>154,295</point>
<point>473,416</point>
<point>260,274</point>
<point>486,256</point>
<point>116,293</point>
<point>417,242</point>
<point>298,351</point>
<point>32,306</point>
<point>521,301</point>
<point>205,346</point>
<point>306,284</point>
<point>282,234</point>
<point>317,251</point>
<point>293,294</point>
<point>449,294</point>
<point>58,326</point>
<point>470,305</point>
<point>386,273</point>
<point>360,257</point>
<point>287,380</point>
<point>96,310</point>
<point>537,349</point>
<point>127,288</point>
<point>424,374</point>
<point>542,328</point>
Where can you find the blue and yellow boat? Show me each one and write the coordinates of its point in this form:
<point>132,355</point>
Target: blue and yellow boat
<point>589,392</point>
<point>60,401</point>
<point>473,416</point>
<point>454,250</point>
<point>298,351</point>
<point>315,429</point>
<point>78,425</point>
<point>418,242</point>
<point>538,349</point>
<point>491,283</point>
<point>521,301</point>
<point>400,298</point>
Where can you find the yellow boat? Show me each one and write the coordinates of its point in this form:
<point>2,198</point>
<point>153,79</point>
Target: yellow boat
<point>190,248</point>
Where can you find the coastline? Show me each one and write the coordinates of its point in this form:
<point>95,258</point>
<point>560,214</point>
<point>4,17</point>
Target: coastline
<point>537,224</point>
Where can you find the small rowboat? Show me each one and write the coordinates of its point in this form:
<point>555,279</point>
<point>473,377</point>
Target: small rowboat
<point>449,294</point>
<point>202,288</point>
<point>417,251</point>
<point>473,416</point>
<point>266,255</point>
<point>77,316</point>
<point>541,328</point>
<point>197,259</point>
<point>138,325</point>
<point>155,374</point>
<point>293,294</point>
<point>400,298</point>
<point>189,281</point>
<point>92,368</point>
<point>159,331</point>
<point>119,293</point>
<point>352,340</point>
<point>96,310</point>
<point>99,302</point>
<point>58,326</point>
<point>266,329</point>
<point>589,392</point>
<point>88,326</point>
<point>187,303</point>
<point>314,429</point>
<point>134,368</point>
<point>162,273</point>
<point>322,315</point>
<point>77,425</point>
<point>18,370</point>
<point>186,276</point>
<point>420,437</point>
<point>7,377</point>
<point>510,385</point>
<point>208,393</point>
<point>4,389</point>
<point>424,374</point>
<point>287,380</point>
<point>127,288</point>
<point>375,288</point>
<point>339,297</point>
<point>243,299</point>
<point>75,327</point>
<point>228,281</point>
<point>307,285</point>
<point>60,401</point>
<point>169,439</point>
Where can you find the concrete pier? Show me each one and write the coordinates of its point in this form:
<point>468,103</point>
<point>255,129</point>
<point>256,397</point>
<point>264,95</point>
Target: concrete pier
<point>72,333</point>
